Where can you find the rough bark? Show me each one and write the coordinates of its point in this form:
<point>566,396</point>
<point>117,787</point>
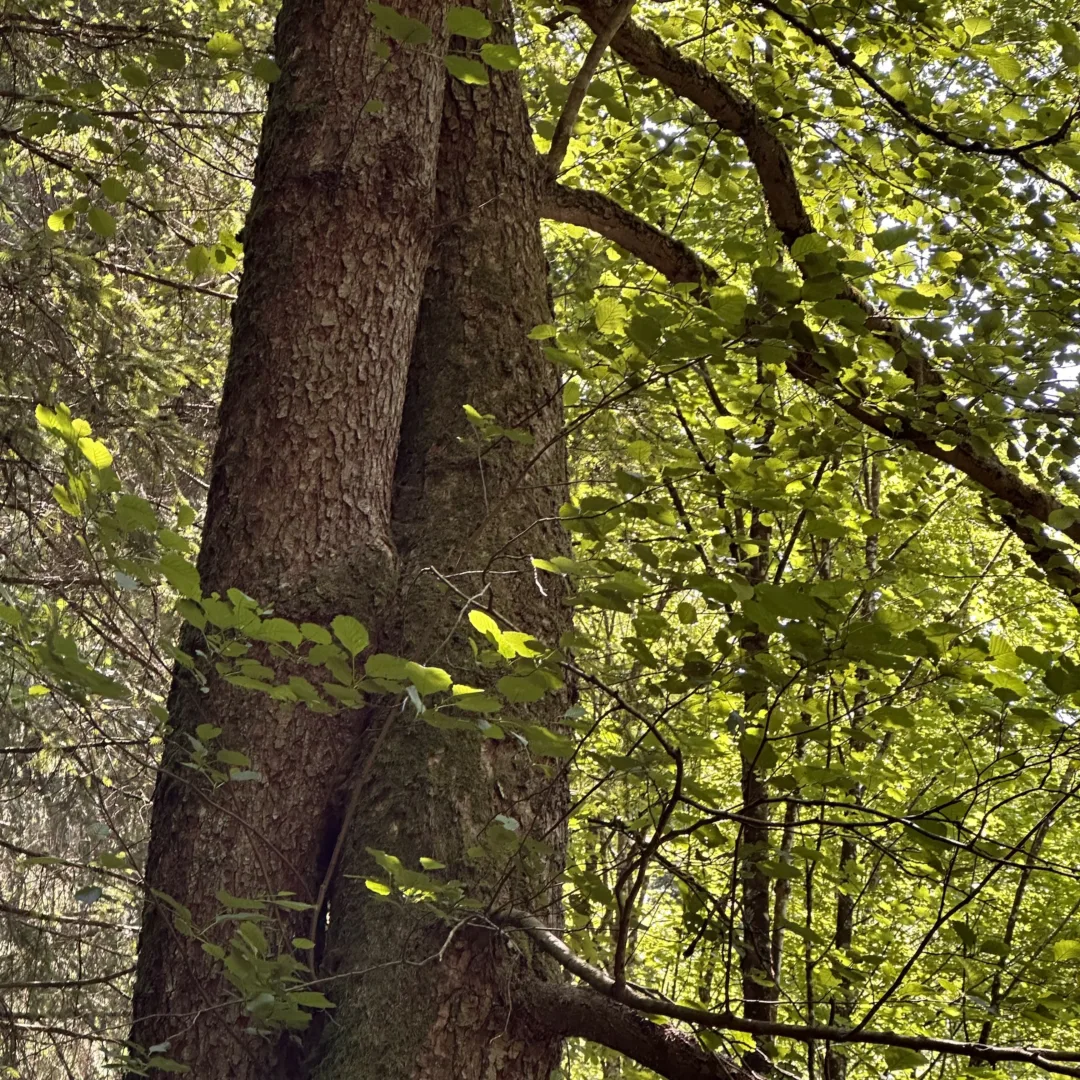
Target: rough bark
<point>426,1006</point>
<point>337,242</point>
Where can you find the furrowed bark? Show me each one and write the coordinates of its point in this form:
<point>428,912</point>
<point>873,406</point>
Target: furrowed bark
<point>432,1003</point>
<point>298,517</point>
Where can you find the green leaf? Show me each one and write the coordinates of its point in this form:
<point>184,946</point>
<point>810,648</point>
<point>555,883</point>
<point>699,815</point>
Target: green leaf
<point>61,220</point>
<point>277,630</point>
<point>181,575</point>
<point>239,903</point>
<point>467,71</point>
<point>197,259</point>
<point>351,633</point>
<point>912,302</point>
<point>164,1064</point>
<point>610,315</point>
<point>207,732</point>
<point>1006,67</point>
<point>428,680</point>
<point>313,632</point>
<point>265,69</point>
<point>233,757</point>
<point>467,22</point>
<point>114,190</point>
<point>476,701</point>
<point>134,513</point>
<point>888,239</point>
<point>544,330</point>
<point>65,501</point>
<point>1063,518</point>
<point>170,57</point>
<point>135,76</point>
<point>900,1059</point>
<point>729,302</point>
<point>224,46</point>
<point>347,695</point>
<point>522,689</point>
<point>547,743</point>
<point>101,221</point>
<point>1067,950</point>
<point>501,58</point>
<point>96,453</point>
<point>385,666</point>
<point>401,28</point>
<point>311,999</point>
<point>484,623</point>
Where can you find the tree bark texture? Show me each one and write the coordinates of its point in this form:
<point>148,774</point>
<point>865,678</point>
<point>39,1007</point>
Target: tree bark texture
<point>421,1008</point>
<point>338,240</point>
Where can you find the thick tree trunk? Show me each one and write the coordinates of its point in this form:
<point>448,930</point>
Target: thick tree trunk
<point>425,1004</point>
<point>337,243</point>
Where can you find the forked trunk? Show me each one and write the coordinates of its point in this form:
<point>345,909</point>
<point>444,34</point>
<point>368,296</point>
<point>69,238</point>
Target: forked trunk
<point>426,1003</point>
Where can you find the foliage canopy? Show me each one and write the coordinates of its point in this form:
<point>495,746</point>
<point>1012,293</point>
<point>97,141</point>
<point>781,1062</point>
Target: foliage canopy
<point>814,270</point>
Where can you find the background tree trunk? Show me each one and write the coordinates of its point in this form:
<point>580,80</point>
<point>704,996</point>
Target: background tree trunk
<point>475,512</point>
<point>338,240</point>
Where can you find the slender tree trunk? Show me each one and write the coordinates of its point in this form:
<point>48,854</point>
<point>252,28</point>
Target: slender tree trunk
<point>836,1061</point>
<point>337,243</point>
<point>427,1004</point>
<point>759,985</point>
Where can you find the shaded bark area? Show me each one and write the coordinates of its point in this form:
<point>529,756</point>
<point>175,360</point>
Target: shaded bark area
<point>337,239</point>
<point>425,1004</point>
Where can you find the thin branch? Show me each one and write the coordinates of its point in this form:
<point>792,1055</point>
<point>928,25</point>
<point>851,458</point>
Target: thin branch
<point>564,128</point>
<point>846,59</point>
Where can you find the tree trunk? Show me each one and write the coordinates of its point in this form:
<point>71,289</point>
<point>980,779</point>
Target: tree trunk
<point>425,1004</point>
<point>759,985</point>
<point>337,240</point>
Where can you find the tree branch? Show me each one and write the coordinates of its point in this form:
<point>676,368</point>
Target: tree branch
<point>601,214</point>
<point>564,128</point>
<point>578,1012</point>
<point>846,59</point>
<point>1051,1061</point>
<point>734,112</point>
<point>679,263</point>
